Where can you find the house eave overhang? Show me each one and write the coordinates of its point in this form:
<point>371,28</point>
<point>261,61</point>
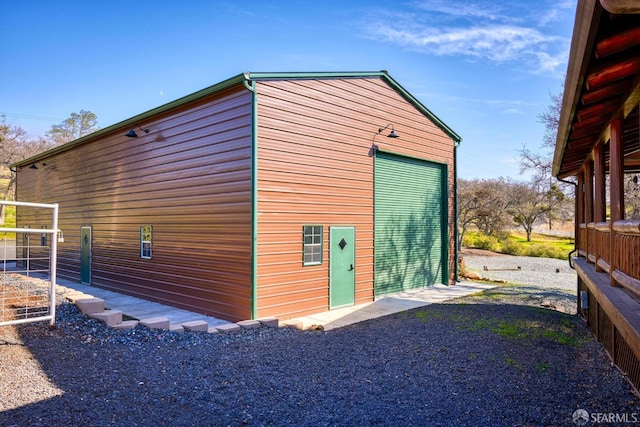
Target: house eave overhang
<point>602,84</point>
<point>584,32</point>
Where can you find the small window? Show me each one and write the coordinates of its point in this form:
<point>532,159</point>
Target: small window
<point>43,236</point>
<point>146,237</point>
<point>312,244</point>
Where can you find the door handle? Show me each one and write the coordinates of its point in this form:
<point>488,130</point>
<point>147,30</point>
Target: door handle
<point>350,268</point>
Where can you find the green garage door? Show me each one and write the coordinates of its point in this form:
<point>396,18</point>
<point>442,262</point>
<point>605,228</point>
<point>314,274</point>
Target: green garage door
<point>410,223</point>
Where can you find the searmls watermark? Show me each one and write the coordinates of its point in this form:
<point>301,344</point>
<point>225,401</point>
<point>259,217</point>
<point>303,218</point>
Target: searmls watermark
<point>581,417</point>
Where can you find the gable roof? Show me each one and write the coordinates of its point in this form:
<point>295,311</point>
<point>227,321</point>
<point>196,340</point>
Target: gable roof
<point>246,78</point>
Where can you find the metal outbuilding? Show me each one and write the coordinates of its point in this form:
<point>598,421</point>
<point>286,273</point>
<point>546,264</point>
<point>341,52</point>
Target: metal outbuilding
<point>267,194</point>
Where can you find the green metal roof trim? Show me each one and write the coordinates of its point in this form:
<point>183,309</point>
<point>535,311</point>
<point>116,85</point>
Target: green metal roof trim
<point>240,78</point>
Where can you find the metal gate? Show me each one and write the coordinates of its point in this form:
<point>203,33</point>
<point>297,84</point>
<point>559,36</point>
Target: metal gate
<point>28,282</point>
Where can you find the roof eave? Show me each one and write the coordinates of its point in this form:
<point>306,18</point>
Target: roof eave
<point>247,76</point>
<point>584,32</point>
<point>135,120</point>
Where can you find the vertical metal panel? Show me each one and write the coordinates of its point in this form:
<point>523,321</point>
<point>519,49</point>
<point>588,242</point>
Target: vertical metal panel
<point>315,162</point>
<point>410,233</point>
<point>190,178</point>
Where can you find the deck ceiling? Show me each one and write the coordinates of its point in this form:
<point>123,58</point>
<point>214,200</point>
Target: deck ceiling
<point>603,83</point>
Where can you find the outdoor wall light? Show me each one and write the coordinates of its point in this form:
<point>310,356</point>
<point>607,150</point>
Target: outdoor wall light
<point>392,134</point>
<point>132,133</point>
<point>33,166</point>
<point>584,300</point>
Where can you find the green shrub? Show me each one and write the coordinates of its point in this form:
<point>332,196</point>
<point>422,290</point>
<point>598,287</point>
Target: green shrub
<point>486,242</point>
<point>545,251</point>
<point>512,248</point>
<point>514,244</point>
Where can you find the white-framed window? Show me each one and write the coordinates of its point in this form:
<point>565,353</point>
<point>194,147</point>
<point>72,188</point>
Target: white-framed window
<point>146,240</point>
<point>312,245</point>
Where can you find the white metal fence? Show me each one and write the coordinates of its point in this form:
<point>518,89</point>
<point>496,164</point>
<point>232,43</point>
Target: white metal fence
<point>28,282</point>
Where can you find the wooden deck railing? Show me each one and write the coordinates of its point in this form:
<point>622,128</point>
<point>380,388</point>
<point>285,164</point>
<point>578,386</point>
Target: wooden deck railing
<point>595,245</point>
<point>582,240</point>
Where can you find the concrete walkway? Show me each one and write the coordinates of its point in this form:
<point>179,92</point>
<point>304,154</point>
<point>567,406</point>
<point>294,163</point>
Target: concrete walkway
<point>139,308</point>
<point>142,309</point>
<point>388,304</point>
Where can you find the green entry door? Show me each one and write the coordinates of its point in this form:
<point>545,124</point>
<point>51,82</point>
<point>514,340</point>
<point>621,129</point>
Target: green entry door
<point>85,254</point>
<point>342,258</point>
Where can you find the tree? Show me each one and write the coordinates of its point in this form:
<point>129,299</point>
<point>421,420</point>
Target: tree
<point>482,203</point>
<point>632,196</point>
<point>14,146</point>
<point>527,204</point>
<point>76,126</point>
<point>541,162</point>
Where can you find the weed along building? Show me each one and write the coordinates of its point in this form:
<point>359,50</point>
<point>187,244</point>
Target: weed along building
<point>264,195</point>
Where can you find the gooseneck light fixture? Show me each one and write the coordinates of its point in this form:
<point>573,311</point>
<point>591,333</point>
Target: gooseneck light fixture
<point>392,134</point>
<point>132,133</point>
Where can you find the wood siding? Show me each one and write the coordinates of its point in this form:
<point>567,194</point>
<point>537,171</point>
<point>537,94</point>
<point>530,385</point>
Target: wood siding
<point>315,167</point>
<point>190,178</point>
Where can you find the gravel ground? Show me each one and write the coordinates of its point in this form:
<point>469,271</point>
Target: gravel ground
<point>545,282</point>
<point>469,362</point>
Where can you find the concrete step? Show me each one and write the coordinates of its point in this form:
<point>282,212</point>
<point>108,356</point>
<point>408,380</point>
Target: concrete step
<point>109,317</point>
<point>229,327</point>
<point>74,297</point>
<point>90,305</point>
<point>196,325</point>
<point>249,324</point>
<point>156,323</point>
<point>271,322</point>
<point>126,324</point>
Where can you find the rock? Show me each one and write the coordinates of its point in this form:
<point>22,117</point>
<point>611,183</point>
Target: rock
<point>547,304</point>
<point>471,275</point>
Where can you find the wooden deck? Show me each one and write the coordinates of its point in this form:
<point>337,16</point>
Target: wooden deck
<point>613,314</point>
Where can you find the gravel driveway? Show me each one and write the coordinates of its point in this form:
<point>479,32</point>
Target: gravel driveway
<point>544,282</point>
<point>471,362</point>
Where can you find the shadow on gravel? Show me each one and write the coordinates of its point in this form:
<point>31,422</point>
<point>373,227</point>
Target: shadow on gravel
<point>458,364</point>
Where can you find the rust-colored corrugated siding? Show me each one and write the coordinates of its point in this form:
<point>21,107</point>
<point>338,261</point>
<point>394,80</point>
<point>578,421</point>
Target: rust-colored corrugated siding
<point>190,178</point>
<point>315,167</point>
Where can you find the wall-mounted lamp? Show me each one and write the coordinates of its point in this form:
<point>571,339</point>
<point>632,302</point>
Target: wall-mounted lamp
<point>33,166</point>
<point>392,134</point>
<point>132,133</point>
<point>584,300</point>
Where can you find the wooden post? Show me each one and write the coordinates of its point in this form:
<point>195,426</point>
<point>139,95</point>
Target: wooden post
<point>600,201</point>
<point>580,213</point>
<point>616,178</point>
<point>588,191</point>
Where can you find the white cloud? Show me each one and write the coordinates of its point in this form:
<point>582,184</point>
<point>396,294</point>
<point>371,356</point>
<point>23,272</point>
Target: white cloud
<point>467,10</point>
<point>512,111</point>
<point>556,12</point>
<point>476,32</point>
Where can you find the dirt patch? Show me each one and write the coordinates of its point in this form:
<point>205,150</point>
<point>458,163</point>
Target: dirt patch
<point>478,252</point>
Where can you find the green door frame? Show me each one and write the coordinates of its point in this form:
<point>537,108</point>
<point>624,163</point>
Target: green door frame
<point>342,259</point>
<point>85,254</point>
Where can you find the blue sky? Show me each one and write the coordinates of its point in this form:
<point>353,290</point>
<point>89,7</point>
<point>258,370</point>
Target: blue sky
<point>485,68</point>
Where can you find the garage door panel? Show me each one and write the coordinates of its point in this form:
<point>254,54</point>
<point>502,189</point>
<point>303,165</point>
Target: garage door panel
<point>410,219</point>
